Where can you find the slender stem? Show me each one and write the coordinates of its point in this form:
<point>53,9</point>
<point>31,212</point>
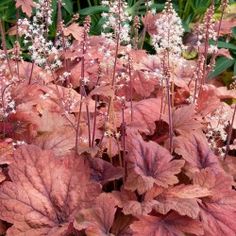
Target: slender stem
<point>169,112</point>
<point>115,62</point>
<point>230,132</point>
<point>83,94</point>
<point>167,77</point>
<point>17,41</point>
<point>94,120</point>
<point>95,113</point>
<point>131,90</point>
<point>78,127</point>
<point>31,72</point>
<point>123,138</point>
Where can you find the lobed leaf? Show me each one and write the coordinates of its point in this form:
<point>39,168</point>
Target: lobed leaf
<point>169,225</point>
<point>148,163</point>
<point>45,192</point>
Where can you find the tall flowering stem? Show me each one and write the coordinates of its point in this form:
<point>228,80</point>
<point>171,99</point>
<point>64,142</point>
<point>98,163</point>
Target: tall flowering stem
<point>167,76</point>
<point>82,88</point>
<point>168,44</point>
<point>209,33</point>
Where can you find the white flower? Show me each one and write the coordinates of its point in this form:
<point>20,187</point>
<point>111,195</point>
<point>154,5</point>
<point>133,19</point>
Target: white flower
<point>169,32</point>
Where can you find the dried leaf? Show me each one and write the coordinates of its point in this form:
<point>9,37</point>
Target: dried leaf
<point>97,221</point>
<point>170,225</point>
<point>45,192</point>
<point>149,163</point>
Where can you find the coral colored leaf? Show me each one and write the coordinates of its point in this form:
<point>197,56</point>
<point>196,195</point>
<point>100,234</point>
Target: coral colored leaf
<point>149,23</point>
<point>149,163</point>
<point>143,84</point>
<point>169,225</point>
<point>181,198</point>
<point>6,152</point>
<point>127,200</point>
<point>224,93</point>
<point>75,30</point>
<point>105,90</point>
<point>98,220</point>
<point>2,176</point>
<point>226,26</point>
<point>145,113</point>
<point>217,212</point>
<point>197,153</point>
<point>103,171</point>
<point>26,6</point>
<point>145,78</point>
<point>229,165</point>
<point>184,120</point>
<point>208,100</point>
<point>59,141</point>
<point>218,183</point>
<point>45,192</point>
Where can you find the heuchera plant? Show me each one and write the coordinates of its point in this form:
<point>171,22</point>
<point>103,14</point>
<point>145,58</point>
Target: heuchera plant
<point>98,137</point>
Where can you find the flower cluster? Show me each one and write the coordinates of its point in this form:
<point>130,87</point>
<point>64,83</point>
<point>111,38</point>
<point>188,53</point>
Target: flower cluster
<point>217,129</point>
<point>117,19</point>
<point>206,30</point>
<point>7,104</point>
<point>169,32</point>
<point>35,34</point>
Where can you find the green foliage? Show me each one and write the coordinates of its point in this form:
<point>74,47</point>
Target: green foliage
<point>222,64</point>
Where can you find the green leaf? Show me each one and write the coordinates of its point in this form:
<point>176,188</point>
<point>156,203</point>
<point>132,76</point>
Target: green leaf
<point>68,6</point>
<point>222,64</point>
<point>234,32</point>
<point>222,44</point>
<point>4,2</point>
<point>93,10</point>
